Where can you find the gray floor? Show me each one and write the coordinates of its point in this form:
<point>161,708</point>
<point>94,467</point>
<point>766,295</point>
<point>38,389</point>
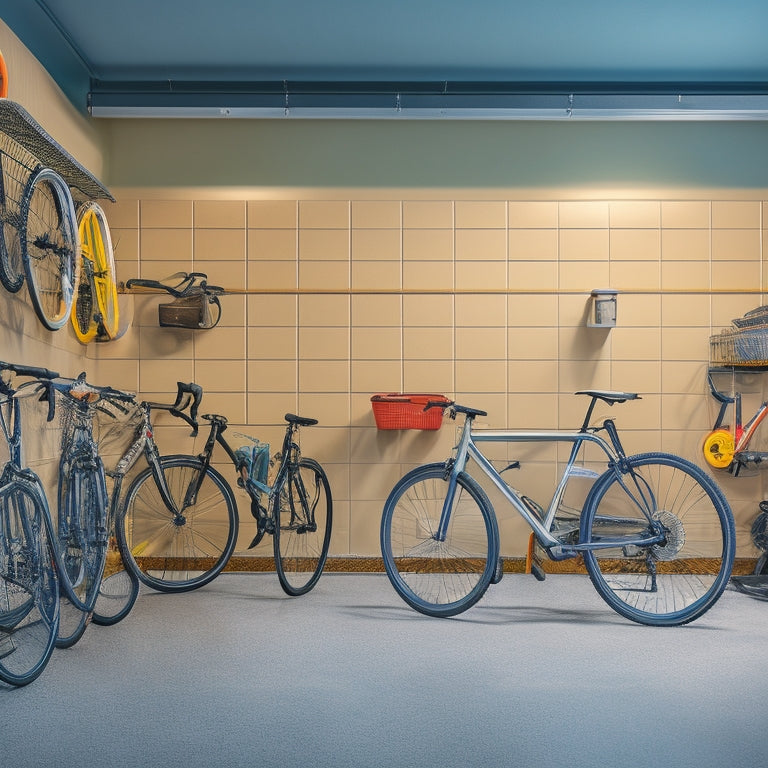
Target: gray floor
<point>538,674</point>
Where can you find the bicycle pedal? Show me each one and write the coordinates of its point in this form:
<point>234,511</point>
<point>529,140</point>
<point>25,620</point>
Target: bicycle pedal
<point>498,572</point>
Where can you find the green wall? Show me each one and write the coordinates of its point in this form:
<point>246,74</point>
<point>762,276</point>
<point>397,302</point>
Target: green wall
<point>368,153</point>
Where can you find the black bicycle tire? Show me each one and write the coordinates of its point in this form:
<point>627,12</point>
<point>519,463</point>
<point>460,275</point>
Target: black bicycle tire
<point>83,314</point>
<point>11,266</point>
<point>473,589</point>
<point>284,550</point>
<point>126,599</point>
<point>84,491</point>
<point>48,616</point>
<point>125,519</point>
<point>72,623</point>
<point>68,271</point>
<point>683,613</point>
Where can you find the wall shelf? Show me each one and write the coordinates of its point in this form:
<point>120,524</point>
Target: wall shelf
<point>17,124</point>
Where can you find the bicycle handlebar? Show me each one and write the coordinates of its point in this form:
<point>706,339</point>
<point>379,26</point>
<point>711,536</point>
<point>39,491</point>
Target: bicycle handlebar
<point>29,370</point>
<point>186,287</point>
<point>196,393</point>
<point>455,408</point>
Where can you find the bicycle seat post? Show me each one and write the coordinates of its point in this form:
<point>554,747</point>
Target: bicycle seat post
<point>588,417</point>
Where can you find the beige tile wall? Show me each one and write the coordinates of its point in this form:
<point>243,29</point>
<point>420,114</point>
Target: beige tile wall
<point>482,300</point>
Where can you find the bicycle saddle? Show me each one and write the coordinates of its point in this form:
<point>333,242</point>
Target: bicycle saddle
<point>302,421</point>
<point>609,396</point>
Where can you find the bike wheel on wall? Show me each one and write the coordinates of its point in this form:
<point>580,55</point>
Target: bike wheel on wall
<point>49,246</point>
<point>95,308</point>
<point>11,265</point>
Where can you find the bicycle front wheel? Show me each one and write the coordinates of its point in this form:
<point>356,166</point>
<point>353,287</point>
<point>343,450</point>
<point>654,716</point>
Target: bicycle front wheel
<point>303,512</point>
<point>29,593</point>
<point>439,575</point>
<point>49,246</point>
<point>82,534</point>
<point>177,552</point>
<point>680,576</point>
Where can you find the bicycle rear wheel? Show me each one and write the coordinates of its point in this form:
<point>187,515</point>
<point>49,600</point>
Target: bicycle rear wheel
<point>82,537</point>
<point>439,577</point>
<point>177,553</point>
<point>118,591</point>
<point>29,594</point>
<point>303,511</point>
<point>49,246</point>
<point>679,578</point>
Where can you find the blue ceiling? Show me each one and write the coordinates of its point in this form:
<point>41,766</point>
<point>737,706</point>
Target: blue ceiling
<point>81,42</point>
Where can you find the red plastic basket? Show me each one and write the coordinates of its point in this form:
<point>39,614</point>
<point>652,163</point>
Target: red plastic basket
<point>404,411</point>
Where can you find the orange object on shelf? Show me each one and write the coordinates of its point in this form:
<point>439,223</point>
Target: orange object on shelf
<point>406,411</point>
<point>3,77</point>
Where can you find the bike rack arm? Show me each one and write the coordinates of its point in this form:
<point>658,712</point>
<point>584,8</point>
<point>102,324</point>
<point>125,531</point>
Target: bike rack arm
<point>723,399</point>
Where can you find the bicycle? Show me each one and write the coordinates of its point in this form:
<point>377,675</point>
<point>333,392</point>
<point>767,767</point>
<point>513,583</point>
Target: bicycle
<point>655,533</point>
<point>39,237</point>
<point>29,584</point>
<point>83,518</point>
<point>178,526</point>
<point>95,313</point>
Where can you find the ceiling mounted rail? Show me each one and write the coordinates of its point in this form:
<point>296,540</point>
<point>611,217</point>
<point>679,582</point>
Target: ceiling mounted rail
<point>448,100</point>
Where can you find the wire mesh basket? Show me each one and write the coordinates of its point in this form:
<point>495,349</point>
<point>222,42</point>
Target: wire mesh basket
<point>747,346</point>
<point>755,317</point>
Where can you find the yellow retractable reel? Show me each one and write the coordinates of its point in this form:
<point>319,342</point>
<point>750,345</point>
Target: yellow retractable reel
<point>719,447</point>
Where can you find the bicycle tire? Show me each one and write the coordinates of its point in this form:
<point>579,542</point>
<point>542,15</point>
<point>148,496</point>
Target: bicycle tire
<point>72,623</point>
<point>95,311</point>
<point>693,564</point>
<point>29,594</point>
<point>11,264</point>
<point>118,591</point>
<point>117,596</point>
<point>81,531</point>
<point>439,578</point>
<point>171,556</point>
<point>302,509</point>
<point>49,246</point>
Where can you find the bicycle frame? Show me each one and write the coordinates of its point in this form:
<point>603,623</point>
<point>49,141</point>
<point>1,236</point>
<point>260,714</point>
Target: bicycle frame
<point>253,487</point>
<point>542,526</point>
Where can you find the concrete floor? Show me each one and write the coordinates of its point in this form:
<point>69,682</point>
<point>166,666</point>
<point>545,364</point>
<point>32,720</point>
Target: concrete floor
<point>537,674</point>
